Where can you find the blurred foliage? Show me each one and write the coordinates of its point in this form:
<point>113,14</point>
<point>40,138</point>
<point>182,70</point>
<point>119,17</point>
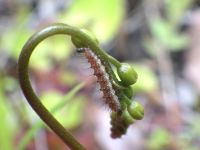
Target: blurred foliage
<point>159,139</point>
<point>175,10</point>
<point>55,103</point>
<point>8,119</point>
<point>17,34</point>
<point>6,132</point>
<point>163,31</point>
<point>55,48</point>
<point>102,18</point>
<point>14,39</point>
<point>71,116</point>
<point>166,30</point>
<point>145,77</point>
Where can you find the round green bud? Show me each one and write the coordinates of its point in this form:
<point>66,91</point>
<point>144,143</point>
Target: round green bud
<point>128,91</point>
<point>79,43</point>
<point>136,110</point>
<point>127,118</point>
<point>127,74</point>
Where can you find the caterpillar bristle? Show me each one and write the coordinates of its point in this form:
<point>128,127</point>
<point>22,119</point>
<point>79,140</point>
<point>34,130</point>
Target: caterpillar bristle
<point>103,78</point>
<point>118,127</point>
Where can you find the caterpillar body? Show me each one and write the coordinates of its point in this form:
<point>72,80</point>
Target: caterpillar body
<point>118,126</point>
<point>103,78</point>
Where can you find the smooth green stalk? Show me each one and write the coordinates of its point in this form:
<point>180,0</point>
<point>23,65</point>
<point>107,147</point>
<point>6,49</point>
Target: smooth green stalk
<point>114,61</point>
<point>31,132</point>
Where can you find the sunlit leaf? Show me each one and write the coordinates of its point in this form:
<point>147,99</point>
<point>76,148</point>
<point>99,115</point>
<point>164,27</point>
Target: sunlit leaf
<point>147,80</point>
<point>56,47</point>
<point>175,9</point>
<point>69,116</point>
<point>166,34</point>
<point>13,40</point>
<point>67,77</point>
<point>103,17</point>
<point>159,139</point>
<point>6,131</point>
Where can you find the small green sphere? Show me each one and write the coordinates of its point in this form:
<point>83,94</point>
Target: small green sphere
<point>136,110</point>
<point>127,74</point>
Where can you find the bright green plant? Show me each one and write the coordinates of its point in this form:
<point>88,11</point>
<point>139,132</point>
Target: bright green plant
<point>121,118</point>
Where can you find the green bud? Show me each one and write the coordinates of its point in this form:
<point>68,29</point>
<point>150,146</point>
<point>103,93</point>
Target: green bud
<point>128,91</point>
<point>136,110</point>
<point>127,74</point>
<point>127,118</point>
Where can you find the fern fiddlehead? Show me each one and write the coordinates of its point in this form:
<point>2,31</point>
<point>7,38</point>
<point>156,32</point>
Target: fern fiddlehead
<point>121,117</point>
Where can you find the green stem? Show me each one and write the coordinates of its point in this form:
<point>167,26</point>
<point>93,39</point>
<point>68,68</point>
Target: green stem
<point>38,125</point>
<point>114,61</point>
<point>27,89</point>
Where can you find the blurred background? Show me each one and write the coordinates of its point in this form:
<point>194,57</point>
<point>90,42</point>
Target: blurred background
<point>161,38</point>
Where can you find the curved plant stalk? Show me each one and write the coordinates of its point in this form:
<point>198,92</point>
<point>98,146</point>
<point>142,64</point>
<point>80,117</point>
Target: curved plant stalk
<point>33,100</point>
<point>38,125</point>
<point>80,38</point>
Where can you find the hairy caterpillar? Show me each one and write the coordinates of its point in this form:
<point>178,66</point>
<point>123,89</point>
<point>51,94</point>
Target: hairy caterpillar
<point>118,126</point>
<point>109,94</point>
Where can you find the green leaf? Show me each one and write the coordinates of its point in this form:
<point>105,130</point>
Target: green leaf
<point>68,78</point>
<point>166,34</point>
<point>57,47</point>
<point>175,9</point>
<point>73,114</point>
<point>70,116</point>
<point>14,37</point>
<point>6,128</point>
<point>103,17</point>
<point>62,102</point>
<point>147,80</point>
<point>13,40</point>
<point>158,139</point>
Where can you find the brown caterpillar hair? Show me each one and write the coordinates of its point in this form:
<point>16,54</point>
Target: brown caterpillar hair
<point>118,125</point>
<point>103,79</point>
